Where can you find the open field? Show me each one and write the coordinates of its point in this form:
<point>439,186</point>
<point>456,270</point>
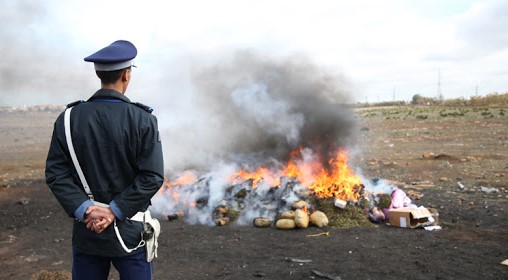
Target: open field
<point>457,157</point>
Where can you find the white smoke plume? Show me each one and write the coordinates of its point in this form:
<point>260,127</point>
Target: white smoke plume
<point>255,109</point>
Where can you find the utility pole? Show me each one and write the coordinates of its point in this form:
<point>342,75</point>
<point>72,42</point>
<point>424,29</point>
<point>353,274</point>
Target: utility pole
<point>439,94</point>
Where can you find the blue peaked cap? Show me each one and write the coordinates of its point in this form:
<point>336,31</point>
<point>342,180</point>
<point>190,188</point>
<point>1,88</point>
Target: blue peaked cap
<point>119,55</point>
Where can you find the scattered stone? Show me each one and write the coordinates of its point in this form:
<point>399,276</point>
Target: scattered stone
<point>428,155</point>
<point>505,262</point>
<point>24,201</point>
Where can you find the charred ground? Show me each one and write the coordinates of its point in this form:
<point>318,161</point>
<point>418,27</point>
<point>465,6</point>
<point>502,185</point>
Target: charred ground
<point>447,154</point>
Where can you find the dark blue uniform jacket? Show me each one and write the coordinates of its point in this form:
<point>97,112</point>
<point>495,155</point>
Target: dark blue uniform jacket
<point>118,147</point>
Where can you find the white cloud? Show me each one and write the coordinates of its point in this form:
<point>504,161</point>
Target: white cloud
<point>483,27</point>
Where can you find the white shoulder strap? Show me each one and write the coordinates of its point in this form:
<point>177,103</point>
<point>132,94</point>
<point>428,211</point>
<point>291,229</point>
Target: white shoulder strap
<point>68,138</point>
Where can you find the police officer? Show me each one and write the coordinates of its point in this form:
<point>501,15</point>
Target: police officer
<point>118,147</point>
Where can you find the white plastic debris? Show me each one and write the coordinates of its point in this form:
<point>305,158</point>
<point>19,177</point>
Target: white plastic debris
<point>340,203</point>
<point>432,228</point>
<point>489,190</point>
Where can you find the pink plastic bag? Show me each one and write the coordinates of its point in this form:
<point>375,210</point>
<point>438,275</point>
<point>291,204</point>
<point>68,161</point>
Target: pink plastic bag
<point>399,199</point>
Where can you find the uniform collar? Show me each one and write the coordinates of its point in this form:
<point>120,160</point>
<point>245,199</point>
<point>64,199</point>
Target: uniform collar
<point>109,93</point>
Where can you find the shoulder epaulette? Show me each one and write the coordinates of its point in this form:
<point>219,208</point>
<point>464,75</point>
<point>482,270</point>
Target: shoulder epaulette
<point>143,106</point>
<point>75,103</point>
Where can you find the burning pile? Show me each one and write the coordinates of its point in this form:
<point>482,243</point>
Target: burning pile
<point>290,196</point>
<point>252,112</point>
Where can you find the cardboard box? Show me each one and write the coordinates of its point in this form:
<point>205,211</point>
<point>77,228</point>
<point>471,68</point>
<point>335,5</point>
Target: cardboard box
<point>435,215</point>
<point>410,217</point>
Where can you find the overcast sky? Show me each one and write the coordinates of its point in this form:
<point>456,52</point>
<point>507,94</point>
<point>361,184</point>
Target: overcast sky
<point>385,49</point>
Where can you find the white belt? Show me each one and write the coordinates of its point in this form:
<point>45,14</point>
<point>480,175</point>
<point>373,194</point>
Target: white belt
<point>139,217</point>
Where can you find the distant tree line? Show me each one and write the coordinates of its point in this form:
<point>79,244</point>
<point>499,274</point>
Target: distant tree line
<point>490,99</point>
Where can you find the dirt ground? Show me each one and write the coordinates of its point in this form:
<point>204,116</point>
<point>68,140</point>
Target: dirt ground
<point>456,157</point>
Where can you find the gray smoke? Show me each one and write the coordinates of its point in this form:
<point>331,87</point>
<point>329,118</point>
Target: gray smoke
<point>38,65</point>
<point>255,109</point>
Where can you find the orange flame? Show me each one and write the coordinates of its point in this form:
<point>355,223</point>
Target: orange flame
<point>338,181</point>
<point>187,177</point>
<point>262,174</point>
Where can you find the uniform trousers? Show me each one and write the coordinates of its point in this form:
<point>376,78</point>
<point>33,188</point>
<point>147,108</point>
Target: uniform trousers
<point>133,267</point>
